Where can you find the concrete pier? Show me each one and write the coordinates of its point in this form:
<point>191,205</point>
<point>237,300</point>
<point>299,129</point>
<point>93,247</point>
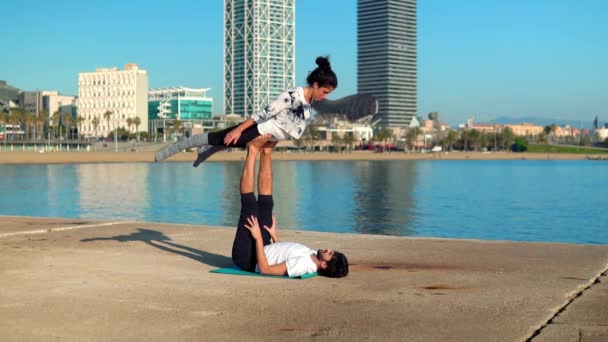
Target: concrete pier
<point>84,280</point>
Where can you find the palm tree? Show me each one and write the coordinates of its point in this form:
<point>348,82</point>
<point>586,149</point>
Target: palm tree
<point>553,130</point>
<point>4,117</point>
<point>311,134</point>
<point>108,115</point>
<point>137,122</point>
<point>95,123</point>
<point>79,120</point>
<point>349,139</point>
<point>129,124</point>
<point>41,121</point>
<point>30,121</point>
<point>474,139</point>
<point>412,136</point>
<point>67,121</point>
<point>4,121</point>
<point>336,141</point>
<point>16,118</point>
<point>55,122</point>
<point>507,138</point>
<point>177,126</point>
<point>451,138</point>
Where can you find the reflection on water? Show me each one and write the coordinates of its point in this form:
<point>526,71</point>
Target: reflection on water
<point>123,185</point>
<point>507,200</point>
<point>384,197</point>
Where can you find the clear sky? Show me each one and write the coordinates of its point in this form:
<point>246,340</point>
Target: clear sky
<point>480,58</point>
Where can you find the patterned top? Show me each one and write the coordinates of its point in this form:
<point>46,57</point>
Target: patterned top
<point>286,117</point>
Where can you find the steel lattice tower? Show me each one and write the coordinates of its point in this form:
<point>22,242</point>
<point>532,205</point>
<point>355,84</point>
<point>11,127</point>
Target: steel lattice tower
<point>259,53</point>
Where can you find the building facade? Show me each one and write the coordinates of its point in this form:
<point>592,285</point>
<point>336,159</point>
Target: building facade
<point>37,101</point>
<point>166,105</point>
<point>63,104</point>
<point>123,93</point>
<point>179,103</point>
<point>259,53</point>
<point>9,96</point>
<point>387,57</point>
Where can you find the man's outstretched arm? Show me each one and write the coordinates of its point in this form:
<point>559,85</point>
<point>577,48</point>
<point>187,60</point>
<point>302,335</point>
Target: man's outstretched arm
<point>263,266</point>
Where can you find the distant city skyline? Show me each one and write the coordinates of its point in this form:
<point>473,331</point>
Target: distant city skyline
<point>479,58</point>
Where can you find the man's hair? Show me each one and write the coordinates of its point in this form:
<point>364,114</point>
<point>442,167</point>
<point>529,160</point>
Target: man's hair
<point>337,267</point>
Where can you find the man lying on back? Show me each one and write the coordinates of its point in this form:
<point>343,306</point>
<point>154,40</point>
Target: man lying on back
<point>260,250</point>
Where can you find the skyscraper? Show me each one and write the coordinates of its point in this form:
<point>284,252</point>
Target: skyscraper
<point>386,57</point>
<point>259,53</point>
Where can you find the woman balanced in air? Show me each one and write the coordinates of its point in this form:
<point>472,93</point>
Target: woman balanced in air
<point>284,118</point>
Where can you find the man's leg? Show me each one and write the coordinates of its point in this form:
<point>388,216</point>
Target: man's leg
<point>243,248</point>
<point>265,201</point>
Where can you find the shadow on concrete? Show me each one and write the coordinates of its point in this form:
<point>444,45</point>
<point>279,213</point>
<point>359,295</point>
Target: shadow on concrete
<point>161,241</point>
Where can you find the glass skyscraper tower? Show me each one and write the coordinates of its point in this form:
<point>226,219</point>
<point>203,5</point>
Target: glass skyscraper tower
<point>386,57</point>
<point>259,53</point>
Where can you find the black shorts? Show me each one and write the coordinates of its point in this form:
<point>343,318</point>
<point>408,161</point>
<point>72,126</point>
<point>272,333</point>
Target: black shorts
<point>243,248</point>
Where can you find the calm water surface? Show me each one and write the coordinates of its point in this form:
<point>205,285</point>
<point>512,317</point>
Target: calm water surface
<point>558,201</point>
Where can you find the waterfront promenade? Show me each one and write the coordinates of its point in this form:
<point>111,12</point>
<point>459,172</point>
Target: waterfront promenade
<point>83,280</point>
<point>18,157</point>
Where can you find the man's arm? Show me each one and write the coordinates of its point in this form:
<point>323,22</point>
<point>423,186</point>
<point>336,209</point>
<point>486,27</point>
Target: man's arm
<point>278,269</point>
<point>263,266</point>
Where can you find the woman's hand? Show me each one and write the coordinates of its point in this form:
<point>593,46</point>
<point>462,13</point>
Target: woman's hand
<point>254,227</point>
<point>232,136</point>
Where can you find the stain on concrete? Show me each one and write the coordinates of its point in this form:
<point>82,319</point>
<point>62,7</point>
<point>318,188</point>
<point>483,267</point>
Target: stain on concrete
<point>411,267</point>
<point>440,287</point>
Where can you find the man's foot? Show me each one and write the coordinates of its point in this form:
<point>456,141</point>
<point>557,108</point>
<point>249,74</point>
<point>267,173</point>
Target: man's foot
<point>205,152</point>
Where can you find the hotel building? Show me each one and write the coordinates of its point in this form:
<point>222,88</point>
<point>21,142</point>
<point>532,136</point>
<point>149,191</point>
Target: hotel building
<point>124,93</point>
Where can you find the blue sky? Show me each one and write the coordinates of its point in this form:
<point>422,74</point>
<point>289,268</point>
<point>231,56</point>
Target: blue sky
<point>480,58</point>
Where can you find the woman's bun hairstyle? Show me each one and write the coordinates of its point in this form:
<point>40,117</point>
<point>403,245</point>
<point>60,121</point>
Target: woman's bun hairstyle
<point>322,75</point>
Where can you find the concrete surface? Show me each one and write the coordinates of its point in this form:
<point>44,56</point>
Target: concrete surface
<point>82,280</point>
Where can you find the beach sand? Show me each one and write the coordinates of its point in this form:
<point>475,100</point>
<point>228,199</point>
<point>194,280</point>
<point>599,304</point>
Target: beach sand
<point>148,156</point>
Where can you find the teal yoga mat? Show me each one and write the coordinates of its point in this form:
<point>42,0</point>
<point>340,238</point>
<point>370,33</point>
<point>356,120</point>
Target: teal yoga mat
<point>235,270</point>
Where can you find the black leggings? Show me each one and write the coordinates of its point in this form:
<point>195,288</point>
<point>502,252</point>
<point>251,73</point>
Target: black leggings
<point>243,248</point>
<point>217,138</point>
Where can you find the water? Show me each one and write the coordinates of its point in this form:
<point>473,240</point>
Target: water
<point>523,200</point>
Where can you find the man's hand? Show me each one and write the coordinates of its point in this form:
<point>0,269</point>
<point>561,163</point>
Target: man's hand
<point>254,227</point>
<point>259,142</point>
<point>232,136</point>
<point>273,230</point>
<point>269,146</point>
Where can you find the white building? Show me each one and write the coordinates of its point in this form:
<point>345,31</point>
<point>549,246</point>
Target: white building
<point>361,131</point>
<point>58,103</point>
<point>124,93</point>
<point>602,133</point>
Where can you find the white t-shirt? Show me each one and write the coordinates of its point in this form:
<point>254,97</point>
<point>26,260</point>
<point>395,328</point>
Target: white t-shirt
<point>296,256</point>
